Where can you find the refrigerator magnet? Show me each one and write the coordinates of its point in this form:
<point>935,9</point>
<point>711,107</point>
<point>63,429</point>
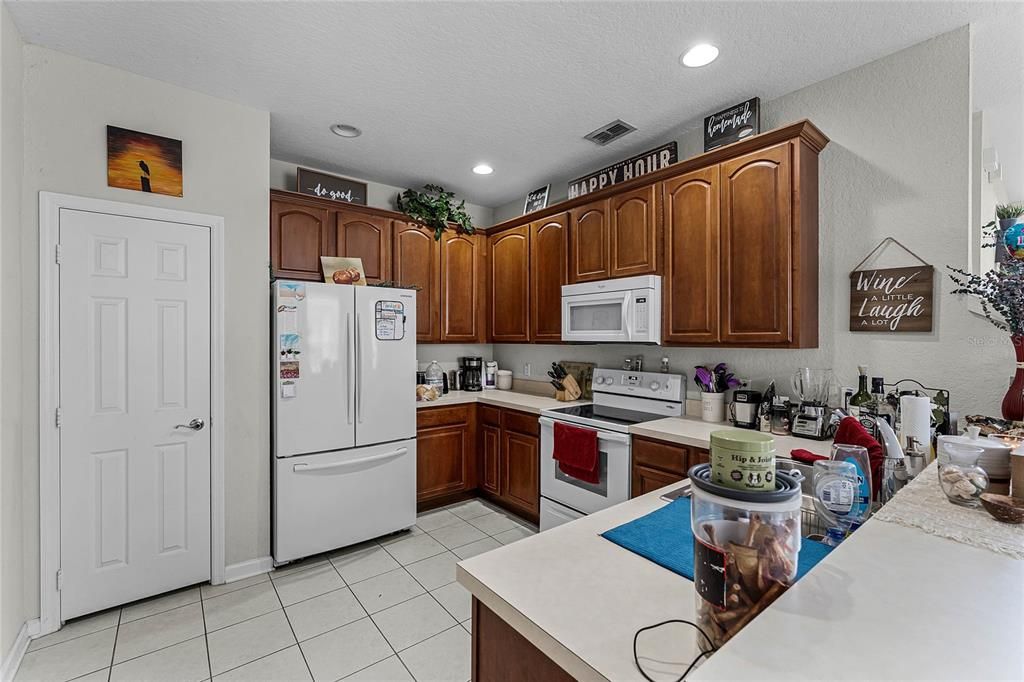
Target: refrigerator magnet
<point>287,389</point>
<point>293,290</point>
<point>289,345</point>
<point>389,319</point>
<point>290,369</point>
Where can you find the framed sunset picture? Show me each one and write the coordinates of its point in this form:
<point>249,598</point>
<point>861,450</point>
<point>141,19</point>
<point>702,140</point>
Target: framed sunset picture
<point>143,162</point>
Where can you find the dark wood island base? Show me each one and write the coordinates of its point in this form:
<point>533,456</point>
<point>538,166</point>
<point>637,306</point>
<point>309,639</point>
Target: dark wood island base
<point>500,654</point>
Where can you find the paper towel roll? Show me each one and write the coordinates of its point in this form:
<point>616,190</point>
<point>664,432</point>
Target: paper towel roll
<point>915,420</point>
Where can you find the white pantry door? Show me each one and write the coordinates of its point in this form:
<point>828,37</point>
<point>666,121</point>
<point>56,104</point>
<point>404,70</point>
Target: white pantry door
<point>134,365</point>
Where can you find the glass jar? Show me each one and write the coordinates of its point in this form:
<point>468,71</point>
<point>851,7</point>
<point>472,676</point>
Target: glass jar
<point>745,551</point>
<point>960,477</point>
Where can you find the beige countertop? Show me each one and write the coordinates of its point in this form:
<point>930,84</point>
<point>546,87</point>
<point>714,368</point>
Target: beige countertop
<point>697,433</point>
<point>527,402</point>
<point>890,603</point>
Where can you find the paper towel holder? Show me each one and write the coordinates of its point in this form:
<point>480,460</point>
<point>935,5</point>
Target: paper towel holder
<point>940,396</point>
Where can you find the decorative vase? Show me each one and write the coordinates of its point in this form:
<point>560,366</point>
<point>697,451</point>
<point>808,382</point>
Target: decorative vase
<point>1013,401</point>
<point>712,407</point>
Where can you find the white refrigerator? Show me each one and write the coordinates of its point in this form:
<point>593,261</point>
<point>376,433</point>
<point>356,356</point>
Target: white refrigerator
<point>344,415</point>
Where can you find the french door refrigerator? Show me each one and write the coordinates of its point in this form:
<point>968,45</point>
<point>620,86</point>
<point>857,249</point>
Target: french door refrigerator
<point>344,415</point>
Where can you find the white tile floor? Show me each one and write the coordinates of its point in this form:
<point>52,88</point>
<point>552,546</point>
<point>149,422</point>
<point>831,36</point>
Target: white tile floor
<point>382,610</point>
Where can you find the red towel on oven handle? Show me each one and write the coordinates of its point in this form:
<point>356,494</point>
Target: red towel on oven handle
<point>576,453</point>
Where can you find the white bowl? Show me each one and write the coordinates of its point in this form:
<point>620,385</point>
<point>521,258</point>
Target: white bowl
<point>995,459</point>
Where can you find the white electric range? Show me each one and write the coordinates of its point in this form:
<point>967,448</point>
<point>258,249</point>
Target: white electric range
<point>621,398</point>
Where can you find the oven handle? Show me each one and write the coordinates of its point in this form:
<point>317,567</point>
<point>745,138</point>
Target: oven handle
<point>601,435</point>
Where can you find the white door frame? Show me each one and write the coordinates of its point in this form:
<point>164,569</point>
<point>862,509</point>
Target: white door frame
<point>50,205</point>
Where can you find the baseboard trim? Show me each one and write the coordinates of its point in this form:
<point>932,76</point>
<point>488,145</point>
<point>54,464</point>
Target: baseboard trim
<point>247,569</point>
<point>12,659</point>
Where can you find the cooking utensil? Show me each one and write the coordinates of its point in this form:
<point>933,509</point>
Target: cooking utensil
<point>558,384</point>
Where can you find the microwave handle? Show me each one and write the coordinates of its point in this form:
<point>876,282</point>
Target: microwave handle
<point>601,435</point>
<point>626,300</point>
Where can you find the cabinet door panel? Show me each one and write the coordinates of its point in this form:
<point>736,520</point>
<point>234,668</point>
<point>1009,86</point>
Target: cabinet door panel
<point>757,247</point>
<point>510,285</point>
<point>299,234</point>
<point>668,457</point>
<point>691,286</point>
<point>442,465</point>
<point>490,457</point>
<point>368,237</point>
<point>588,242</point>
<point>647,480</point>
<point>462,287</point>
<point>520,478</point>
<point>416,261</point>
<point>548,272</point>
<point>633,239</point>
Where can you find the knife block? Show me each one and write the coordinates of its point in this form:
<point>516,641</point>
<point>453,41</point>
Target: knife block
<point>572,390</point>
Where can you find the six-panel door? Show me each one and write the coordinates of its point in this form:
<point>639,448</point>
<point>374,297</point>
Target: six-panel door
<point>548,272</point>
<point>757,223</point>
<point>416,262</point>
<point>691,285</point>
<point>510,285</point>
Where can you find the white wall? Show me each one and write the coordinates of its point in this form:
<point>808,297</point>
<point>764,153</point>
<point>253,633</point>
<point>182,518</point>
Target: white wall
<point>378,195</point>
<point>15,605</point>
<point>897,165</point>
<point>68,103</point>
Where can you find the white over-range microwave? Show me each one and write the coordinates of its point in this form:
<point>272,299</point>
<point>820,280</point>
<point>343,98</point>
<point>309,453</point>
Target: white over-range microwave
<point>626,310</point>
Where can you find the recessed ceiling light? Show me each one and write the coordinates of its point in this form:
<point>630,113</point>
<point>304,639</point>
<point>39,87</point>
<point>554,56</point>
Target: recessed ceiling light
<point>700,55</point>
<point>345,130</point>
<point>482,169</point>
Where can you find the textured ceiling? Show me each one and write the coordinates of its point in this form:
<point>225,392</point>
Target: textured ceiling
<point>438,87</point>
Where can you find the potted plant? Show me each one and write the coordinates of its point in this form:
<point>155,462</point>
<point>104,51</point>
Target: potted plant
<point>1008,215</point>
<point>435,208</point>
<point>1001,293</point>
<point>713,384</point>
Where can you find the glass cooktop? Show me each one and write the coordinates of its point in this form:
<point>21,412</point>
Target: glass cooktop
<point>613,415</point>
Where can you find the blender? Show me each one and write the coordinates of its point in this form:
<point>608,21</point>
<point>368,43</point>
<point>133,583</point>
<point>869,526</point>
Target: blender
<point>813,387</point>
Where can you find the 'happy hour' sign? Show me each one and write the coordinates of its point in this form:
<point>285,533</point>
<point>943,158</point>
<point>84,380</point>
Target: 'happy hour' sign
<point>892,300</point>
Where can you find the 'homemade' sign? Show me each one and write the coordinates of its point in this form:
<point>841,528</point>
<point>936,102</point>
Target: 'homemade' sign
<point>633,167</point>
<point>732,124</point>
<point>892,300</point>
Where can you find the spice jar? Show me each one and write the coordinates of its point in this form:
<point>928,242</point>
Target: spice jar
<point>745,551</point>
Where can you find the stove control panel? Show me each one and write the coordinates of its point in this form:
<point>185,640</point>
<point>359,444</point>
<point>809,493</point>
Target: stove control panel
<point>641,384</point>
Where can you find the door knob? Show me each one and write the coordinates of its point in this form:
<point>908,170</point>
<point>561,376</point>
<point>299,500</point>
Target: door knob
<point>196,424</point>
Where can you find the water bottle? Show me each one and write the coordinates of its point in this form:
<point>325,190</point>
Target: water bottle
<point>435,375</point>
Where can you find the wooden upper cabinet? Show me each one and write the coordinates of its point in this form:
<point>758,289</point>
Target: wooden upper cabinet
<point>548,272</point>
<point>757,249</point>
<point>588,242</point>
<point>462,287</point>
<point>365,236</point>
<point>510,285</point>
<point>299,233</point>
<point>416,261</point>
<point>690,289</point>
<point>633,233</point>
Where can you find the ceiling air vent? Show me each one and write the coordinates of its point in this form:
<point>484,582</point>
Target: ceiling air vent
<point>607,133</point>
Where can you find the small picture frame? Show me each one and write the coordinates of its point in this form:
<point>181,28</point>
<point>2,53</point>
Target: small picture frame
<point>537,199</point>
<point>343,270</point>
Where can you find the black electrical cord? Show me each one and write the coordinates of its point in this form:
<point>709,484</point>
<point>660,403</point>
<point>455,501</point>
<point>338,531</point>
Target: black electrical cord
<point>636,636</point>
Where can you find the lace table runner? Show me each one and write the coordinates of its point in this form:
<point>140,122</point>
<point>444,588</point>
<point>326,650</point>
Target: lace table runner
<point>923,505</point>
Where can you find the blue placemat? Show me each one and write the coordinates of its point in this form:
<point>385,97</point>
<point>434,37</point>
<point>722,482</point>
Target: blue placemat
<point>664,537</point>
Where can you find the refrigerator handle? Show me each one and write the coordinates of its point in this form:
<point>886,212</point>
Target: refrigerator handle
<point>359,374</point>
<point>350,356</point>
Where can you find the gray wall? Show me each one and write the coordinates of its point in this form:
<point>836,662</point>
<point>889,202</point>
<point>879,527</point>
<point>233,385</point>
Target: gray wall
<point>378,195</point>
<point>67,104</point>
<point>898,164</point>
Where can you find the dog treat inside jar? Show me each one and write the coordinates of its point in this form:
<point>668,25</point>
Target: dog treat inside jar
<point>745,550</point>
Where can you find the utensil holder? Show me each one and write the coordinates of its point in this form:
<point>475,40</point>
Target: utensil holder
<point>572,390</point>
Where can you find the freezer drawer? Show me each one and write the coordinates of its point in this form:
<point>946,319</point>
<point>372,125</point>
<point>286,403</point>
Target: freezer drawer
<point>335,499</point>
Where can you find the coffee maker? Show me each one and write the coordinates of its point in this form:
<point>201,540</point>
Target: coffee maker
<point>472,372</point>
<point>744,408</point>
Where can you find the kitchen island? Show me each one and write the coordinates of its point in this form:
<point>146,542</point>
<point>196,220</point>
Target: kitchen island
<point>889,603</point>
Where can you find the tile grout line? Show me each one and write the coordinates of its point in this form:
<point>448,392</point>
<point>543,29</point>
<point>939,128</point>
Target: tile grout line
<point>292,629</point>
<point>113,650</point>
<point>206,634</point>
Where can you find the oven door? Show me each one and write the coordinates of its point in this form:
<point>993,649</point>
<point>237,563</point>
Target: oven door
<point>613,486</point>
<point>602,316</point>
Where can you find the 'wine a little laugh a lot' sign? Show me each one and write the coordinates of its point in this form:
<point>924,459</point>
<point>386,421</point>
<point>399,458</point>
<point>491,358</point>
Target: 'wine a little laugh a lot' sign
<point>892,300</point>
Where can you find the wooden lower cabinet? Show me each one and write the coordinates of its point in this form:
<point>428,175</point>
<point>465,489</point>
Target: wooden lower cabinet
<point>520,476</point>
<point>657,464</point>
<point>501,654</point>
<point>445,454</point>
<point>490,449</point>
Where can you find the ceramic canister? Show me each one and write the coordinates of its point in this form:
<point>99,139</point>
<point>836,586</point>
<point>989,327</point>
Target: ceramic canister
<point>743,459</point>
